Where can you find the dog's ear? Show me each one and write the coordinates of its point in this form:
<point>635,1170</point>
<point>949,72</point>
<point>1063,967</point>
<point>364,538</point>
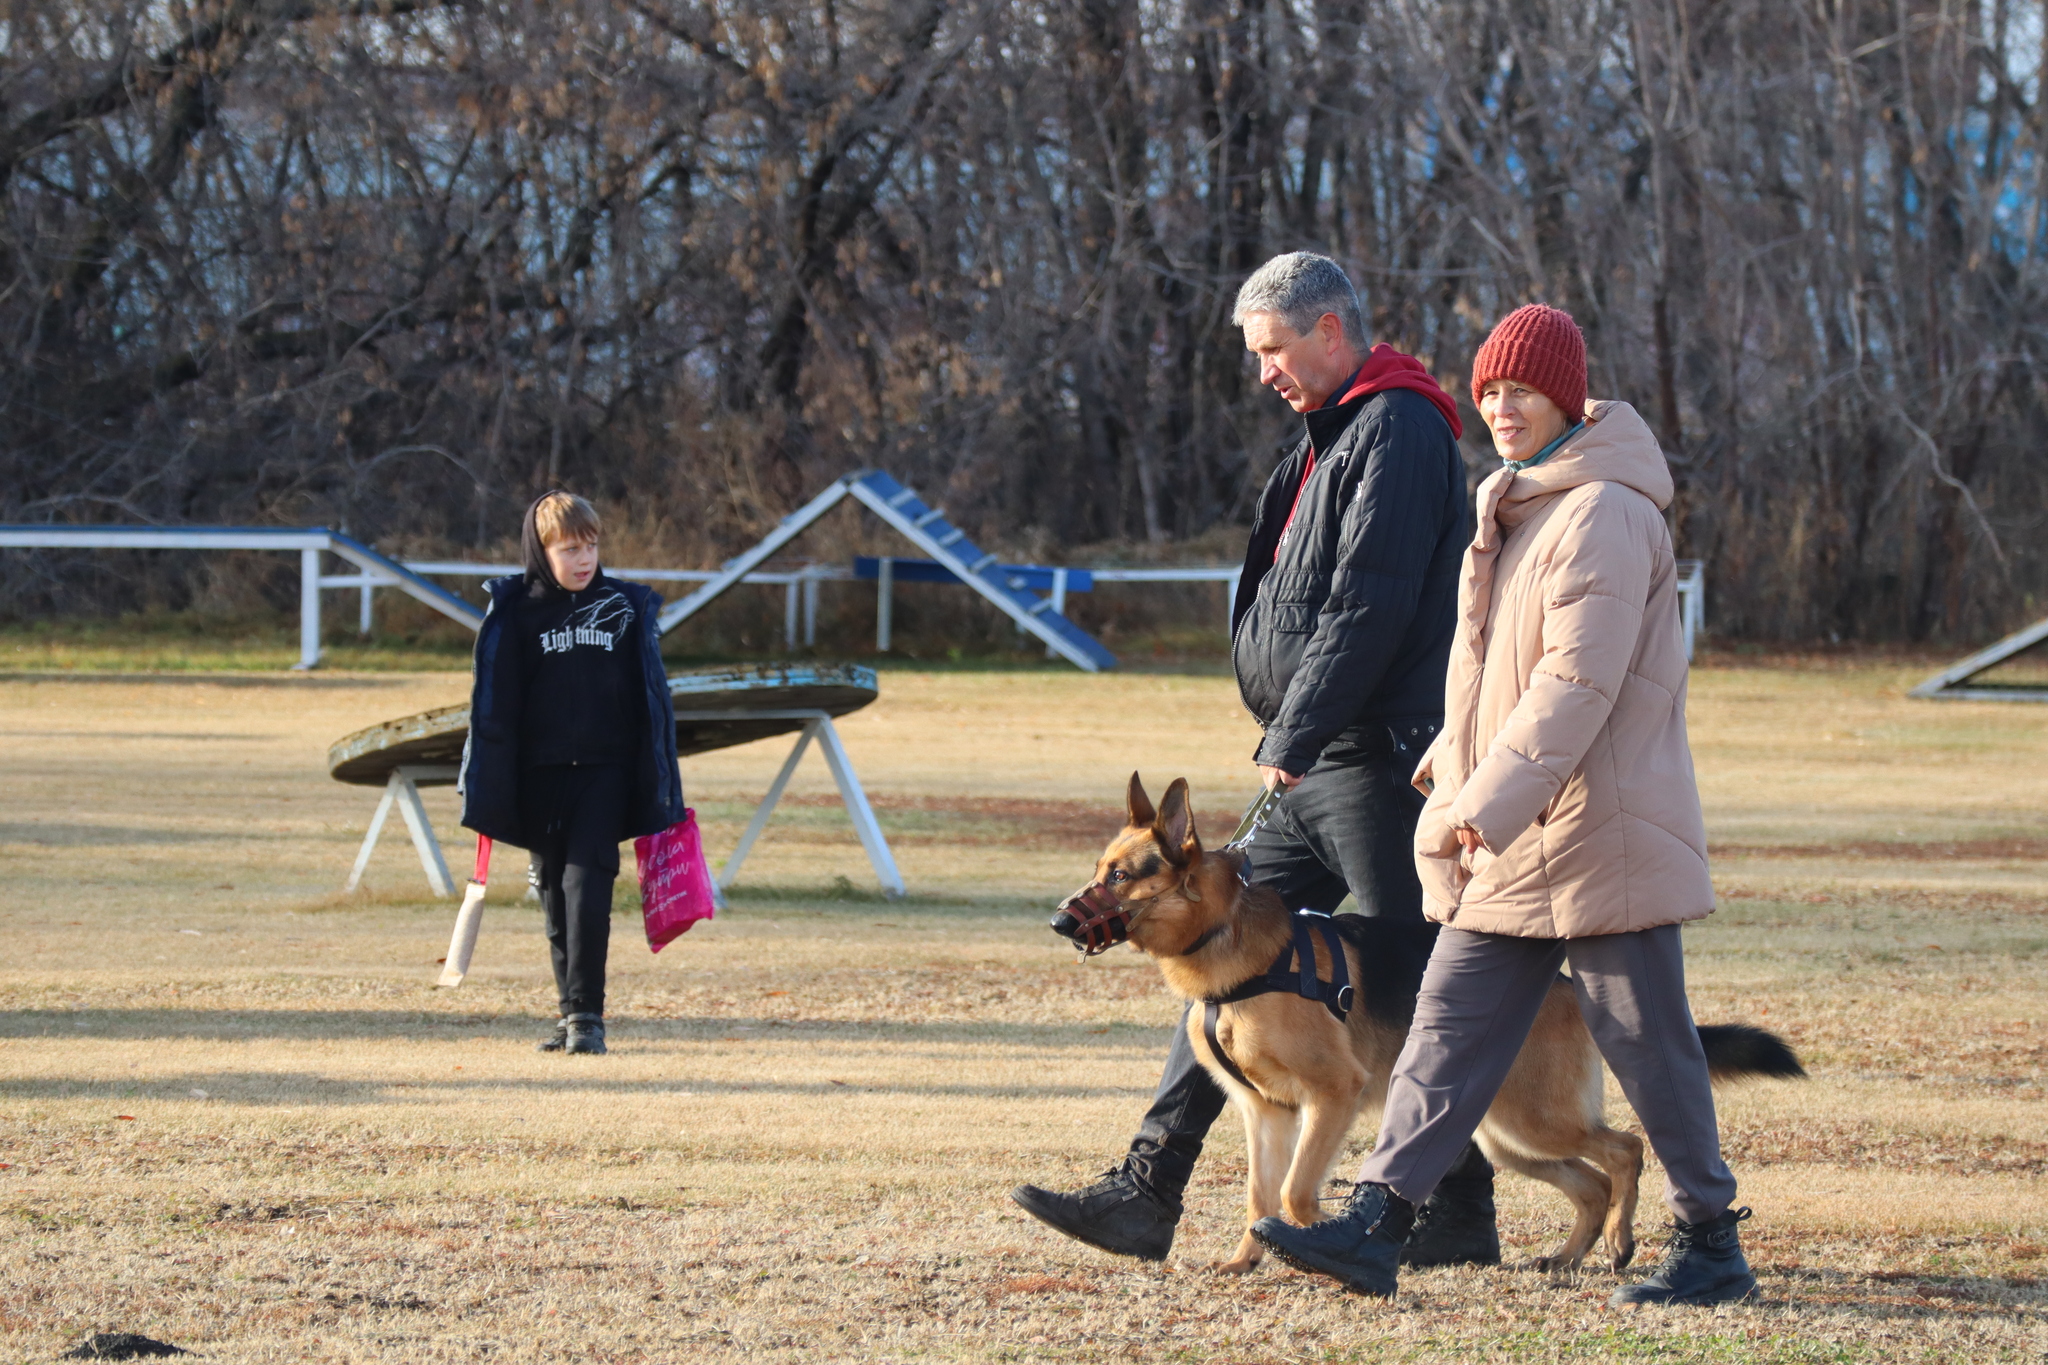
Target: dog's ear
<point>1139,805</point>
<point>1176,825</point>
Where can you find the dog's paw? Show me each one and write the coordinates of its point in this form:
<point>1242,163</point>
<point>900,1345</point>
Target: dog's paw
<point>1556,1265</point>
<point>1241,1266</point>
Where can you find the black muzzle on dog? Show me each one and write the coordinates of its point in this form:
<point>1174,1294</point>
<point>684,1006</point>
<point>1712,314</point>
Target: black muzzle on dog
<point>1092,919</point>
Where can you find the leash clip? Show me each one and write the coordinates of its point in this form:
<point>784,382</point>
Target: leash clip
<point>1255,816</point>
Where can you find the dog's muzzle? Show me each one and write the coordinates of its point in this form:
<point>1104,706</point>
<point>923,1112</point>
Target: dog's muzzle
<point>1092,919</point>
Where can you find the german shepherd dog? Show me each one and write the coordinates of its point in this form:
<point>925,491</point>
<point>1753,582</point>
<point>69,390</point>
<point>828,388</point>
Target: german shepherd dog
<point>1310,1074</point>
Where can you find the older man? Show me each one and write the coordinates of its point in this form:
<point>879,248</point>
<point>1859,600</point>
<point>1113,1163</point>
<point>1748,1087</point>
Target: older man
<point>1341,636</point>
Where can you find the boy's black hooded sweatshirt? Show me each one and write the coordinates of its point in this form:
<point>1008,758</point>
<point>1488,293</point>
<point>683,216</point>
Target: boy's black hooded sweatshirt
<point>568,678</point>
<point>576,659</point>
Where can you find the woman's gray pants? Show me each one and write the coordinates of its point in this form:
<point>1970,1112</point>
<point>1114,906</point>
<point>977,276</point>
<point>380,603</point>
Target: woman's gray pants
<point>1479,999</point>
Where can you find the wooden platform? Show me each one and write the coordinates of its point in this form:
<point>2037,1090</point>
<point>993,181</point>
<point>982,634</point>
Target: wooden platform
<point>368,757</point>
<point>716,708</point>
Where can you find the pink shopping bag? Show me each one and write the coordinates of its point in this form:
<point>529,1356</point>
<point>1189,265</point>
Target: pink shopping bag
<point>675,882</point>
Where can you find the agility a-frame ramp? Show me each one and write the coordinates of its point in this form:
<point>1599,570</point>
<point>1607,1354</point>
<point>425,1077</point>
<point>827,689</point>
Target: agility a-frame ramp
<point>927,528</point>
<point>1963,681</point>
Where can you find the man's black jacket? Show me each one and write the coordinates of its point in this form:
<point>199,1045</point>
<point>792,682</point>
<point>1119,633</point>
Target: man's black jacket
<point>1350,631</point>
<point>489,782</point>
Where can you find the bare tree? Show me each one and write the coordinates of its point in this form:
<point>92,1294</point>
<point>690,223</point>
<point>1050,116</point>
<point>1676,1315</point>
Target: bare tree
<point>398,264</point>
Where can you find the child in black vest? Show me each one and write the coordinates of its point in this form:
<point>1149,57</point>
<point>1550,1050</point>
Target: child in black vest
<point>572,742</point>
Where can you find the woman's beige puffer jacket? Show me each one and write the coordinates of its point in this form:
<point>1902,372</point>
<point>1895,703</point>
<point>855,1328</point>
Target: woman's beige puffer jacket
<point>1564,730</point>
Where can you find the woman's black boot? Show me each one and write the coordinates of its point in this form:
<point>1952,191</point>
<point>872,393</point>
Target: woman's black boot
<point>1703,1265</point>
<point>1360,1248</point>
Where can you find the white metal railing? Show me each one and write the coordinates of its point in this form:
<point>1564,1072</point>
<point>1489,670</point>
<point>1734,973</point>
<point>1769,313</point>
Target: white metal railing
<point>800,585</point>
<point>310,542</point>
<point>800,603</point>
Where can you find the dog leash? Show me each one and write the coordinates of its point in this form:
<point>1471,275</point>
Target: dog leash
<point>1255,815</point>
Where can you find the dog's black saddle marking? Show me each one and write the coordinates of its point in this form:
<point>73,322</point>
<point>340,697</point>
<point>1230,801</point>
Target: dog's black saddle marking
<point>1301,979</point>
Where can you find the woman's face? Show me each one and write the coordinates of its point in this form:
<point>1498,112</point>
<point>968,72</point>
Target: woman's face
<point>1522,420</point>
<point>572,562</point>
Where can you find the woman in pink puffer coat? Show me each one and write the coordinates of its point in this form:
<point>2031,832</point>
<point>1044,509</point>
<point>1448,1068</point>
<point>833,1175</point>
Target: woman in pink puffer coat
<point>1563,823</point>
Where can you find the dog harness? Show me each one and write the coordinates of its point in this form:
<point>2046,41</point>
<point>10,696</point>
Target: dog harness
<point>1301,979</point>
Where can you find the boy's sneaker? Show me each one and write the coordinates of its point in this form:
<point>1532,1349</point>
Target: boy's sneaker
<point>556,1040</point>
<point>1704,1265</point>
<point>584,1033</point>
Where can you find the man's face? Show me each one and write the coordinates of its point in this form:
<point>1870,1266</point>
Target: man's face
<point>1304,368</point>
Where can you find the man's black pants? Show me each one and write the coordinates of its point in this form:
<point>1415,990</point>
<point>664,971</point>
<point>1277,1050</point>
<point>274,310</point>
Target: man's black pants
<point>575,813</point>
<point>1348,826</point>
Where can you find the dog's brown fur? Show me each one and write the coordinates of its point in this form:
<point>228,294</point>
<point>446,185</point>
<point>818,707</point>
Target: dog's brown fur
<point>1314,1075</point>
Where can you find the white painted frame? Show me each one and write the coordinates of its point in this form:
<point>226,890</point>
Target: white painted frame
<point>1951,684</point>
<point>818,727</point>
<point>403,791</point>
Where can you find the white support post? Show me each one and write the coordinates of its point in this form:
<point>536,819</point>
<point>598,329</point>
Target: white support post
<point>789,601</point>
<point>810,607</point>
<point>1692,592</point>
<point>355,875</point>
<point>309,611</point>
<point>885,602</point>
<point>363,619</point>
<point>1059,603</point>
<point>1696,619</point>
<point>1230,603</point>
<point>857,807</point>
<point>422,831</point>
<point>766,808</point>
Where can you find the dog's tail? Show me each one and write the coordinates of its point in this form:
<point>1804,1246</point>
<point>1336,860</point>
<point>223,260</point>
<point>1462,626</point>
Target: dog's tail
<point>1738,1052</point>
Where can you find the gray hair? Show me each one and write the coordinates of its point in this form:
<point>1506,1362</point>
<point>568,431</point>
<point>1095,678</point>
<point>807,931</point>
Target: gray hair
<point>1301,286</point>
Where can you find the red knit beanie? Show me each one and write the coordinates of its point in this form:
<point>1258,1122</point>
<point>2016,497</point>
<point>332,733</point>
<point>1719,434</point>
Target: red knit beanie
<point>1542,347</point>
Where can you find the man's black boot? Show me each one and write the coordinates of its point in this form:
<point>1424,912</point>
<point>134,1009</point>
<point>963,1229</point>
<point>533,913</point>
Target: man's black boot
<point>1119,1213</point>
<point>1704,1264</point>
<point>1360,1248</point>
<point>556,1040</point>
<point>1456,1224</point>
<point>585,1033</point>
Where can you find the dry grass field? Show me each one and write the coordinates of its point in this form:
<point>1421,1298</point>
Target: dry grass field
<point>236,1115</point>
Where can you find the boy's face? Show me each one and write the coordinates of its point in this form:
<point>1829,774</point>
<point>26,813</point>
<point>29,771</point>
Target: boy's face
<point>572,562</point>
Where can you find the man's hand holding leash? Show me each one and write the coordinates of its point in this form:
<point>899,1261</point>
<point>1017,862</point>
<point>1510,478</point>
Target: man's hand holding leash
<point>1272,776</point>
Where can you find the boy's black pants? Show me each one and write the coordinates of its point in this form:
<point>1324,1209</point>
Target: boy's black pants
<point>574,813</point>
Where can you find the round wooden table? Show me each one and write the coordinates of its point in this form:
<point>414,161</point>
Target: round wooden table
<point>716,708</point>
<point>435,738</point>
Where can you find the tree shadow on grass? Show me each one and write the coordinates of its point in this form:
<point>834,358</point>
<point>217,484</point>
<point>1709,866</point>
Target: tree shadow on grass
<point>627,1031</point>
<point>561,1077</point>
<point>51,834</point>
<point>842,894</point>
<point>1898,1294</point>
